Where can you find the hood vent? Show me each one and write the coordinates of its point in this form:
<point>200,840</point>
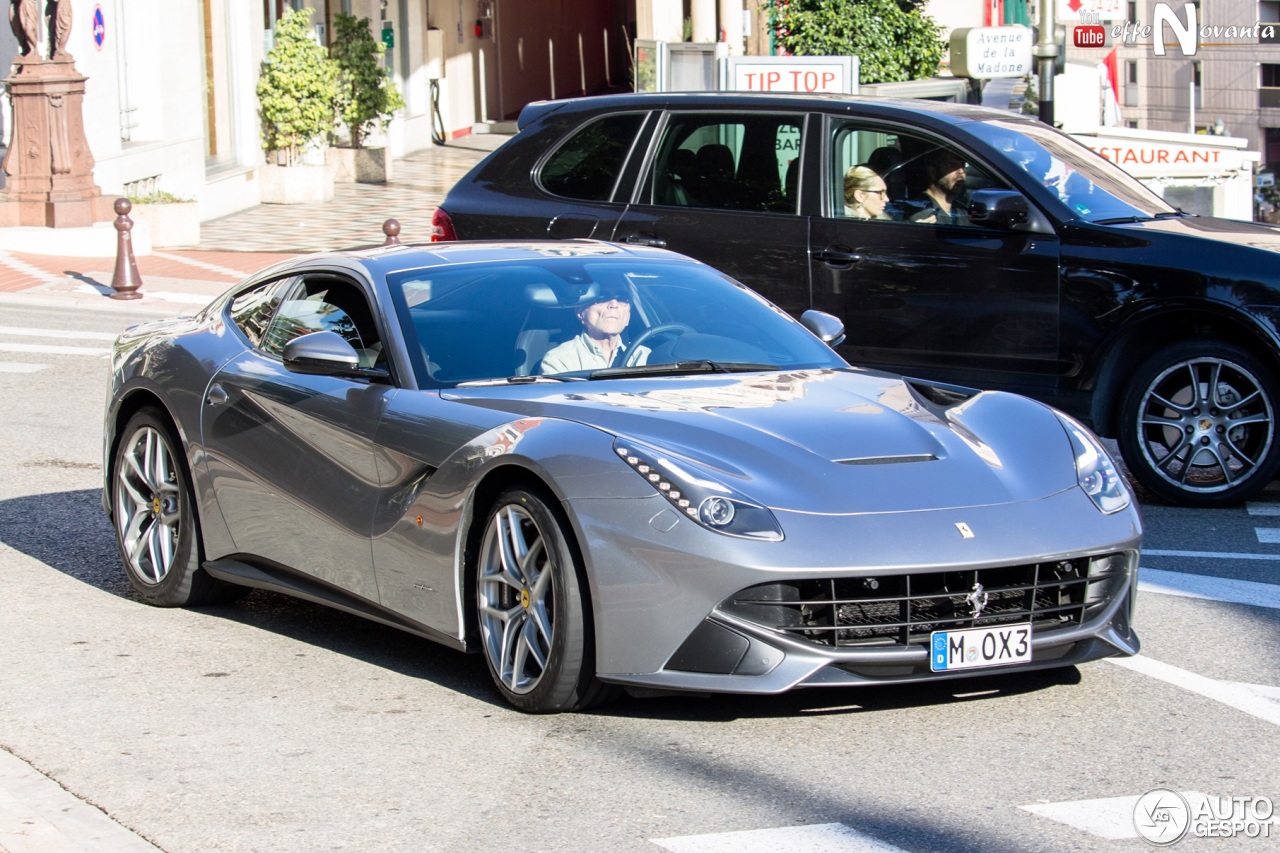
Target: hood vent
<point>889,460</point>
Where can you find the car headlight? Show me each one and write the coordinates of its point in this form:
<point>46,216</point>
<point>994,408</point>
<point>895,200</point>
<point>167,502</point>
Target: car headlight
<point>1095,469</point>
<point>697,496</point>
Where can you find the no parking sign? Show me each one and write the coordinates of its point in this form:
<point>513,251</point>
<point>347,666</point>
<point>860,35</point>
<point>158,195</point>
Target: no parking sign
<point>99,27</point>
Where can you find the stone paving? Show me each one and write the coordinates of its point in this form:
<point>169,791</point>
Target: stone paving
<point>234,246</point>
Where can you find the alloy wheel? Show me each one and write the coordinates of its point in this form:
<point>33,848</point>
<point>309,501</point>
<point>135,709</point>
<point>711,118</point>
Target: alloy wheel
<point>148,510</point>
<point>516,599</point>
<point>1205,424</point>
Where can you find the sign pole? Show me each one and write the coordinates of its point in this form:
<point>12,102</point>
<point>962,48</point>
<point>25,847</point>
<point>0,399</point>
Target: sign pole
<point>1046,52</point>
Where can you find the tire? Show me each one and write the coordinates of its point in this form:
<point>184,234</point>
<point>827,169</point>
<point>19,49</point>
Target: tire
<point>1199,424</point>
<point>535,626</point>
<point>154,517</point>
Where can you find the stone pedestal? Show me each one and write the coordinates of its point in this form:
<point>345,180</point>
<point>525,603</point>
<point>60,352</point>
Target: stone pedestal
<point>48,166</point>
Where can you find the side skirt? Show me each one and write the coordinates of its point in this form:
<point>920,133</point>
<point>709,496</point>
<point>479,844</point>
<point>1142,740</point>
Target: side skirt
<point>290,582</point>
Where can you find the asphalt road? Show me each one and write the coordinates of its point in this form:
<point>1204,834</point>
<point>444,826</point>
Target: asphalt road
<point>276,725</point>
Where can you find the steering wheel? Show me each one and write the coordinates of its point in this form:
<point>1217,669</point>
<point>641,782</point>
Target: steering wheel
<point>653,331</point>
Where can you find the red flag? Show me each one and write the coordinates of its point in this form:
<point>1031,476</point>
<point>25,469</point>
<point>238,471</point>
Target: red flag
<point>1111,98</point>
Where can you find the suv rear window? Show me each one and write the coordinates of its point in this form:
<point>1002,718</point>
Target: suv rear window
<point>586,166</point>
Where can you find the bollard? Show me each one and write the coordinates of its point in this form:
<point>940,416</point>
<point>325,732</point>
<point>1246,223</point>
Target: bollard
<point>126,281</point>
<point>392,229</point>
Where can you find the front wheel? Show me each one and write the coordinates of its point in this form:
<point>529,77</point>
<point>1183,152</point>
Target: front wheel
<point>1199,424</point>
<point>155,518</point>
<point>534,624</point>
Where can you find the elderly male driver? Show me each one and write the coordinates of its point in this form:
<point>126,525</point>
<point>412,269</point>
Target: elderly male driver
<point>600,344</point>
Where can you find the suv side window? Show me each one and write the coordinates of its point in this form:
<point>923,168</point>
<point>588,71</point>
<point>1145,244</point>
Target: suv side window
<point>926,181</point>
<point>325,303</point>
<point>587,165</point>
<point>737,162</point>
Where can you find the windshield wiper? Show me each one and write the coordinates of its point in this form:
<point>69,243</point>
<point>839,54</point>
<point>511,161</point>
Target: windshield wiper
<point>680,368</point>
<point>514,380</point>
<point>1164,214</point>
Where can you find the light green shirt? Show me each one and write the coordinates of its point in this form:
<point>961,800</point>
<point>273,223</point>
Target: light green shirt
<point>581,353</point>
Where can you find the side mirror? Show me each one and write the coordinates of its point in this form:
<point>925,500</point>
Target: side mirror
<point>998,208</point>
<point>327,354</point>
<point>828,329</point>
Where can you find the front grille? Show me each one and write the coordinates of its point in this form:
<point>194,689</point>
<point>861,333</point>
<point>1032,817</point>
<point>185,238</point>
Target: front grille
<point>904,609</point>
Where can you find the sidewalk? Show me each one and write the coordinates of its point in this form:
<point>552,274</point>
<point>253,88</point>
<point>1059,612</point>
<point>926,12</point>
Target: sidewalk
<point>233,247</point>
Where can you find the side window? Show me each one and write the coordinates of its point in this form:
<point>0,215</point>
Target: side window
<point>883,174</point>
<point>251,311</point>
<point>325,303</point>
<point>728,162</point>
<point>587,165</point>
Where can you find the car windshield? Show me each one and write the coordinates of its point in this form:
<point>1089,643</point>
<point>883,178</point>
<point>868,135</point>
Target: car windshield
<point>1086,184</point>
<point>497,321</point>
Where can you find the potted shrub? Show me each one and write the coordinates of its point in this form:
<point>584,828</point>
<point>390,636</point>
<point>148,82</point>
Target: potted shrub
<point>366,99</point>
<point>170,221</point>
<point>296,94</point>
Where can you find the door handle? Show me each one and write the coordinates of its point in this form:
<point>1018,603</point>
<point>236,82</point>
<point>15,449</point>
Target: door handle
<point>837,256</point>
<point>217,396</point>
<point>645,240</point>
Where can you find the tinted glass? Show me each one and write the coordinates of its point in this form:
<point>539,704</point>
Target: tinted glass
<point>728,162</point>
<point>586,166</point>
<point>922,180</point>
<point>251,311</point>
<point>1087,185</point>
<point>485,321</point>
<point>325,304</point>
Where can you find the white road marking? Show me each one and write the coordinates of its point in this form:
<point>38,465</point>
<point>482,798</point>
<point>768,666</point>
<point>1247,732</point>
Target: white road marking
<point>50,349</point>
<point>1256,700</point>
<point>192,262</point>
<point>1210,555</point>
<point>1268,535</point>
<point>26,332</point>
<point>1205,586</point>
<point>1110,818</point>
<point>1262,508</point>
<point>20,367</point>
<point>816,838</point>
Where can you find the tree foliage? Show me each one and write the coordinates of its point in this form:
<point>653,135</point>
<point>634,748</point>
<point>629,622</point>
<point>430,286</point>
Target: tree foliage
<point>296,89</point>
<point>893,39</point>
<point>366,95</point>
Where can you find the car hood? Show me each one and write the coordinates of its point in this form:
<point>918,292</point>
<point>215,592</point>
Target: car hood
<point>823,441</point>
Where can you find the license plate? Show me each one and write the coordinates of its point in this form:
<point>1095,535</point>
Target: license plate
<point>974,647</point>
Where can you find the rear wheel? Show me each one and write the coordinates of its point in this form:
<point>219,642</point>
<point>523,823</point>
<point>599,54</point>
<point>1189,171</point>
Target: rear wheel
<point>1199,424</point>
<point>534,623</point>
<point>155,518</point>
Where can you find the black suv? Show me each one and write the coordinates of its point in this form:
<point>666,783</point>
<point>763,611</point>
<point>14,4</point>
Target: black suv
<point>1058,275</point>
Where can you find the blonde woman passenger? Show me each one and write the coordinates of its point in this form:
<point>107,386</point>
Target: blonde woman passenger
<point>865,194</point>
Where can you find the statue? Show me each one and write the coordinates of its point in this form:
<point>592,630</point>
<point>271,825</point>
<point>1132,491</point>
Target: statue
<point>24,19</point>
<point>59,28</point>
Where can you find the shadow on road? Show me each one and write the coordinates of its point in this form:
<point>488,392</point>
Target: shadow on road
<point>69,532</point>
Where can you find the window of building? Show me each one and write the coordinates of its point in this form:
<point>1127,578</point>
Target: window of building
<point>1269,85</point>
<point>1131,83</point>
<point>1269,13</point>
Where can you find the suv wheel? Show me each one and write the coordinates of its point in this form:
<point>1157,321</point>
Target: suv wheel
<point>1199,424</point>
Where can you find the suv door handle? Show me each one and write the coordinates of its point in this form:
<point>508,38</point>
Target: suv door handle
<point>645,240</point>
<point>837,256</point>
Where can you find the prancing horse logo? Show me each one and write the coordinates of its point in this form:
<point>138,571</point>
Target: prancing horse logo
<point>964,530</point>
<point>977,600</point>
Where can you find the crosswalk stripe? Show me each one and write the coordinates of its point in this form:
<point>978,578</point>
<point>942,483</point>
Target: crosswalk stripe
<point>815,838</point>
<point>1110,818</point>
<point>1268,509</point>
<point>1208,587</point>
<point>20,367</point>
<point>1256,700</point>
<point>1268,535</point>
<point>50,349</point>
<point>1209,555</point>
<point>25,332</point>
